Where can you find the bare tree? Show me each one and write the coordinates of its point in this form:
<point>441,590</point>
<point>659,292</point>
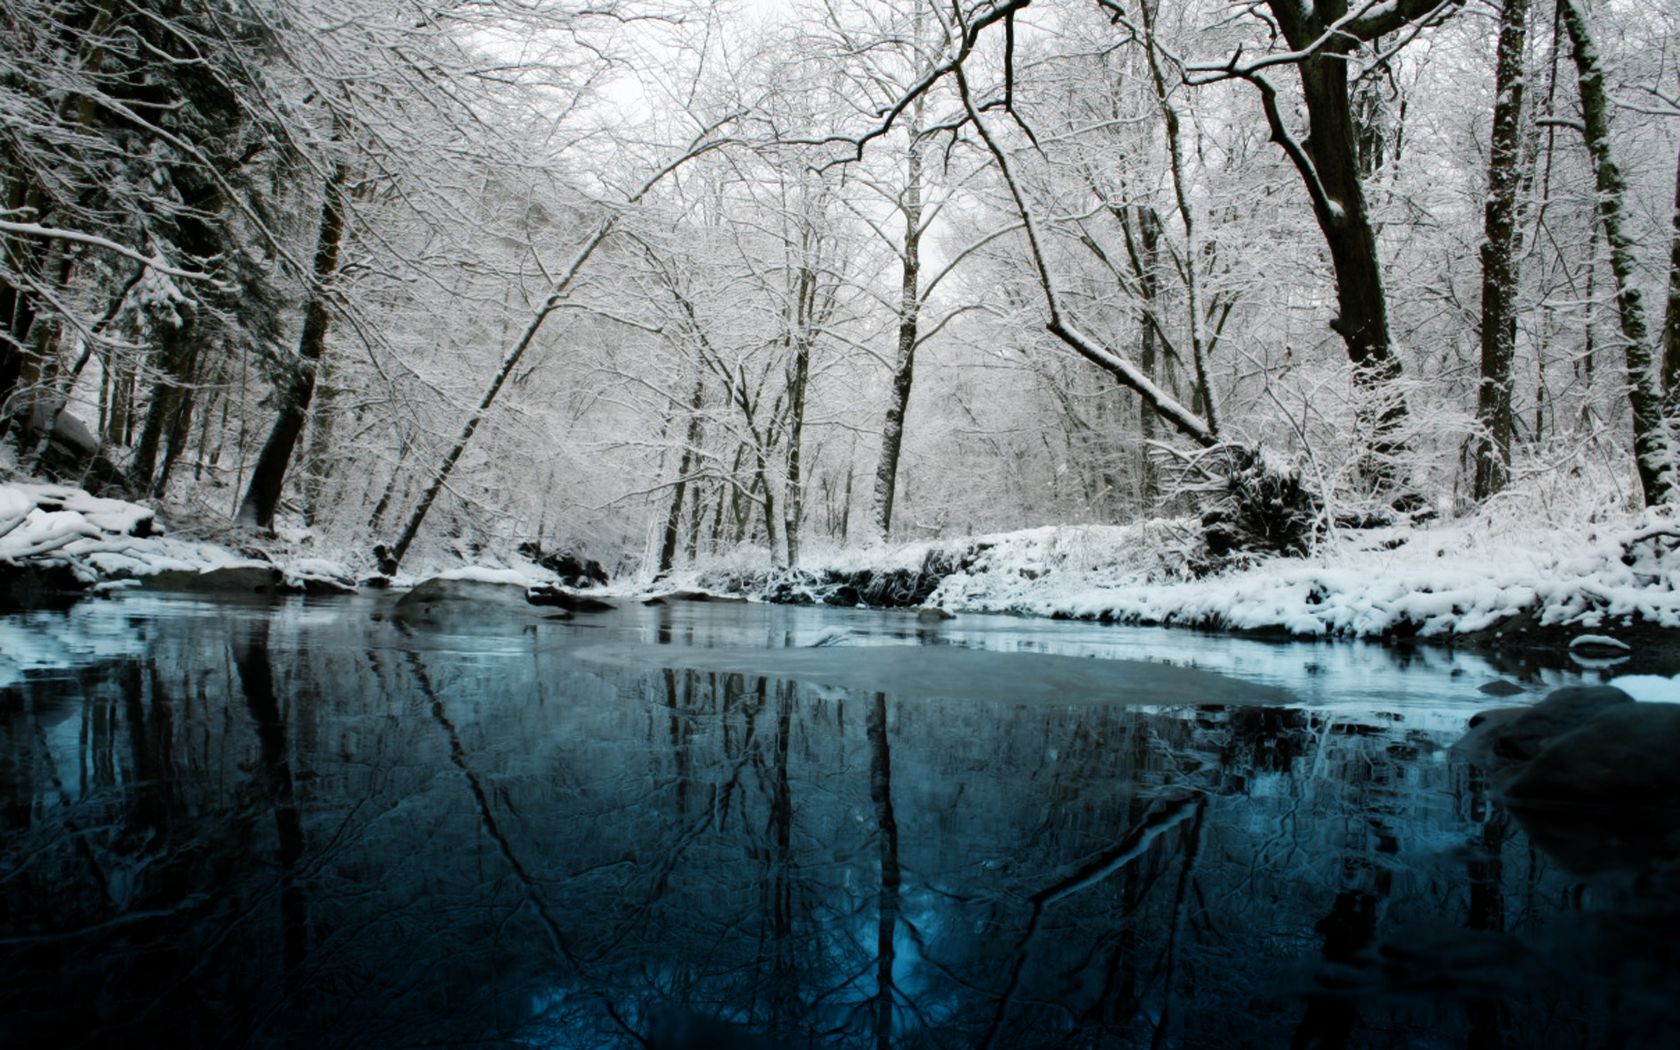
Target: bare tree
<point>1653,456</point>
<point>1500,250</point>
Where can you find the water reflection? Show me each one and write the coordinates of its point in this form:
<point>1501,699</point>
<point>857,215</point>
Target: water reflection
<point>301,826</point>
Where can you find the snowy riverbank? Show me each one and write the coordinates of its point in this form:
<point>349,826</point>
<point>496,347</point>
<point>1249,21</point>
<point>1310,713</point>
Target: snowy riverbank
<point>1583,591</point>
<point>1475,581</point>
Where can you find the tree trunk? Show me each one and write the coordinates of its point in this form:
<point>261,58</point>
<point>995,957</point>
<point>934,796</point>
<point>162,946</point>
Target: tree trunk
<point>794,506</point>
<point>177,360</point>
<point>1652,456</point>
<point>691,447</point>
<point>1181,196</point>
<point>1500,247</point>
<point>440,475</point>
<point>1328,162</point>
<point>268,477</point>
<point>1145,252</point>
<point>909,316</point>
<point>1671,318</point>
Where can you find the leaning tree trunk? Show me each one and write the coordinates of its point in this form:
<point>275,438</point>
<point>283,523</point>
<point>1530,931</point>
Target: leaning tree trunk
<point>268,477</point>
<point>392,558</point>
<point>1500,247</point>
<point>1652,456</point>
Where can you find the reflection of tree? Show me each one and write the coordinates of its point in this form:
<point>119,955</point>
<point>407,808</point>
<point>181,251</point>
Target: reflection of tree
<point>880,793</point>
<point>1347,930</point>
<point>1485,864</point>
<point>256,676</point>
<point>818,867</point>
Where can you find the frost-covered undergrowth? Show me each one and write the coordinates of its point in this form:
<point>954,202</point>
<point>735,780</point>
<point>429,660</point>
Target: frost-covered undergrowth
<point>1453,578</point>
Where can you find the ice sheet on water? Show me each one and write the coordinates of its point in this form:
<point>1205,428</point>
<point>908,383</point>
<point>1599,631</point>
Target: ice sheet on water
<point>952,672</point>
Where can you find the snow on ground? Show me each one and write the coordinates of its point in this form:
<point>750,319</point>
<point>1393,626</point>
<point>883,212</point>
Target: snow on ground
<point>1649,688</point>
<point>1452,577</point>
<point>486,574</point>
<point>105,539</point>
<point>109,540</point>
<point>1455,577</point>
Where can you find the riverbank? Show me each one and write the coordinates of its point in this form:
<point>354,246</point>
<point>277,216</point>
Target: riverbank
<point>1596,596</point>
<point>1599,595</point>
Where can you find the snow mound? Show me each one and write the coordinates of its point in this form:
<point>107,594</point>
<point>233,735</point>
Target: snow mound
<point>106,540</point>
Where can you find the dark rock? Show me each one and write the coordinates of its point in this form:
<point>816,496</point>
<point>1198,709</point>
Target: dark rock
<point>229,579</point>
<point>570,601</point>
<point>1500,687</point>
<point>439,600</point>
<point>573,569</point>
<point>1589,773</point>
<point>325,585</point>
<point>692,596</point>
<point>72,453</point>
<point>1606,797</point>
<point>1622,756</point>
<point>933,614</point>
<point>38,586</point>
<point>377,582</point>
<point>1500,738</point>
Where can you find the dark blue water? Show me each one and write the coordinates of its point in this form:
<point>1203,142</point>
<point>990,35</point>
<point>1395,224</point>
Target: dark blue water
<point>306,825</point>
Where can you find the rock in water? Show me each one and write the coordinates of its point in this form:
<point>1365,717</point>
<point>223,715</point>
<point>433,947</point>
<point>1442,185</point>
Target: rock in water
<point>1589,773</point>
<point>1500,687</point>
<point>228,579</point>
<point>573,569</point>
<point>1501,738</point>
<point>933,614</point>
<point>1624,756</point>
<point>438,600</point>
<point>561,598</point>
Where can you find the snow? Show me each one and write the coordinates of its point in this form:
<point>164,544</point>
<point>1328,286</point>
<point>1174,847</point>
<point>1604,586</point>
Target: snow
<point>1598,641</point>
<point>1449,578</point>
<point>108,540</point>
<point>1453,578</point>
<point>1649,688</point>
<point>485,574</point>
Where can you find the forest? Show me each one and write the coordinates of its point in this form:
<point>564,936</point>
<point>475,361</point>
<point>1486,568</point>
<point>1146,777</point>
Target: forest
<point>669,281</point>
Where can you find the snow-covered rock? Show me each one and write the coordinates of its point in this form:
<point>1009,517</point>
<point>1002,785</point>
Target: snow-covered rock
<point>63,536</point>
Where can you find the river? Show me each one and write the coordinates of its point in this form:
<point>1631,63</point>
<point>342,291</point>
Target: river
<point>303,823</point>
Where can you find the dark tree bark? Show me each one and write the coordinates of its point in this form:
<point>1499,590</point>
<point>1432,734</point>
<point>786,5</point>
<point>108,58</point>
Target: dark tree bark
<point>691,448</point>
<point>887,899</point>
<point>1652,456</point>
<point>171,398</point>
<point>1328,162</point>
<point>909,316</point>
<point>794,506</point>
<point>1500,247</point>
<point>268,477</point>
<point>1671,318</point>
<point>1144,250</point>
